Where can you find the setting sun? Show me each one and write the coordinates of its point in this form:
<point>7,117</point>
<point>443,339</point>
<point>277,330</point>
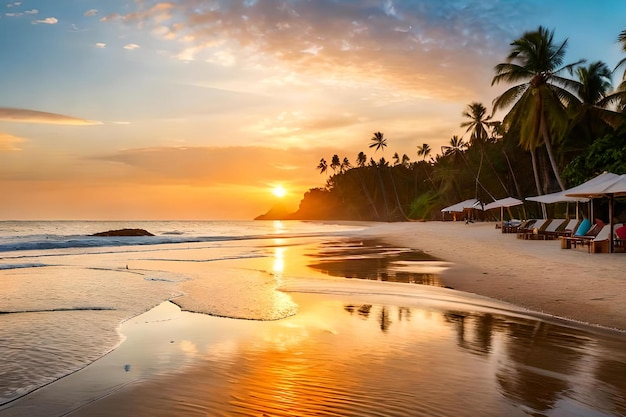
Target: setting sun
<point>279,191</point>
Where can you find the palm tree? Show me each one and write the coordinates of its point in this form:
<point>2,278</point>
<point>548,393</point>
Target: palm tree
<point>535,62</point>
<point>423,150</point>
<point>591,118</point>
<point>380,142</point>
<point>361,160</point>
<point>457,147</point>
<point>406,161</point>
<point>322,166</point>
<point>345,165</point>
<point>477,125</point>
<point>335,163</point>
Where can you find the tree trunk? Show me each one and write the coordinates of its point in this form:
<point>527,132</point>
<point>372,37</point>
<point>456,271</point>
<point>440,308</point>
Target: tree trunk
<point>395,192</point>
<point>533,158</point>
<point>548,145</point>
<point>367,194</point>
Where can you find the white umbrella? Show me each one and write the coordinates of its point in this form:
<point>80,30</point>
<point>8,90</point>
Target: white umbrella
<point>459,207</point>
<point>605,185</point>
<point>502,203</point>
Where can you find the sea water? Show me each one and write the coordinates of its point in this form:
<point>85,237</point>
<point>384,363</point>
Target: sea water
<point>68,298</point>
<point>64,292</point>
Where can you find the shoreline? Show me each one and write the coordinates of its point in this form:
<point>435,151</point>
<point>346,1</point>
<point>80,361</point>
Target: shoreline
<point>533,274</point>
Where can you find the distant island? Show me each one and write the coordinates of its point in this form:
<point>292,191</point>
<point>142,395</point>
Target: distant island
<point>124,232</point>
<point>317,204</point>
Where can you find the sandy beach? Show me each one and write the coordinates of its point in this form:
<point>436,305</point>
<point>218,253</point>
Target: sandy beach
<point>534,274</point>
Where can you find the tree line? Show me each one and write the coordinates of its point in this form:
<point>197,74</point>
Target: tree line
<point>564,123</point>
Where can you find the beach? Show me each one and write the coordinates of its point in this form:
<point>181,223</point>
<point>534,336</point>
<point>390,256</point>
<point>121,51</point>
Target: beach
<point>534,274</point>
<point>303,320</point>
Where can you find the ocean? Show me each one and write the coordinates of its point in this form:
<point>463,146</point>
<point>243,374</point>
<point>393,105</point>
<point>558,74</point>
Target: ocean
<point>68,300</point>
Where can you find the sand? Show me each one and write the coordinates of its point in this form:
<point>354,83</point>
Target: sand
<point>534,274</point>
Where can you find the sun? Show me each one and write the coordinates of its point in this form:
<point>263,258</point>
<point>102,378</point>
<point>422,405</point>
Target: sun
<point>279,191</point>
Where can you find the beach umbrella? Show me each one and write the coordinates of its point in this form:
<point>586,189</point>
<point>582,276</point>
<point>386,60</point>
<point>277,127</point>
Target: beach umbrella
<point>459,207</point>
<point>560,197</point>
<point>605,185</point>
<point>502,203</point>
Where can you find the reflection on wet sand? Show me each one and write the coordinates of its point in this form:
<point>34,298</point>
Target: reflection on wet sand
<point>374,261</point>
<point>541,367</point>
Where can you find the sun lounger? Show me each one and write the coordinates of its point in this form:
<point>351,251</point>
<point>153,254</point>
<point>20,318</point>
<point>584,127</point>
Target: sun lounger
<point>600,243</point>
<point>618,242</point>
<point>549,232</point>
<point>569,229</point>
<point>525,227</point>
<point>569,241</point>
<point>538,227</point>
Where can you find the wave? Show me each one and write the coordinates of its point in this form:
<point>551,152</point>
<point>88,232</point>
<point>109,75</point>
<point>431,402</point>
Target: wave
<point>66,242</point>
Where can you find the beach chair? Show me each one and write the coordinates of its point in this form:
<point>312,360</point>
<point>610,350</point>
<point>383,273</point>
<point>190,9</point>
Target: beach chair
<point>574,240</point>
<point>600,243</point>
<point>569,228</point>
<point>538,227</point>
<point>524,227</point>
<point>549,232</point>
<point>619,237</point>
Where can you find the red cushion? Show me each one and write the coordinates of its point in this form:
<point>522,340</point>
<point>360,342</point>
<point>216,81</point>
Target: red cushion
<point>600,223</point>
<point>621,232</point>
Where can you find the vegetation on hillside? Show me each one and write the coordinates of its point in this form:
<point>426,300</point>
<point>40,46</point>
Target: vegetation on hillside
<point>564,124</point>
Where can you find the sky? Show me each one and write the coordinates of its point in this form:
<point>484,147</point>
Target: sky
<point>198,109</point>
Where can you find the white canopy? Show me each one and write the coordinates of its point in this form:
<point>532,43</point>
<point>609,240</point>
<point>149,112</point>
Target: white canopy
<point>459,207</point>
<point>603,185</point>
<point>559,197</point>
<point>504,202</point>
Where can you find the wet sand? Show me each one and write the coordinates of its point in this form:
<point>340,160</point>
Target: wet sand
<point>534,274</point>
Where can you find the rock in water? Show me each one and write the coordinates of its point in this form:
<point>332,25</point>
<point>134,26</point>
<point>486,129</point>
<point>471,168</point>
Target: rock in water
<point>124,232</point>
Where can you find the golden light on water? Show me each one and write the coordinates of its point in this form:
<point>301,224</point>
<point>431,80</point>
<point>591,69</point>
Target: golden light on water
<point>279,260</point>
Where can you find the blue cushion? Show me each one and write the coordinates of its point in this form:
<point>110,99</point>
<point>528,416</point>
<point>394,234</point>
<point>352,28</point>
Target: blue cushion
<point>584,227</point>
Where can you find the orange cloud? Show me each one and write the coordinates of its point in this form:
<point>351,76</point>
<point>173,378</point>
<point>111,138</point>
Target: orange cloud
<point>418,49</point>
<point>9,142</point>
<point>33,116</point>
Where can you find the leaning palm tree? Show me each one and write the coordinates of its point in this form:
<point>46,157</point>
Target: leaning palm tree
<point>534,66</point>
<point>477,125</point>
<point>457,148</point>
<point>361,160</point>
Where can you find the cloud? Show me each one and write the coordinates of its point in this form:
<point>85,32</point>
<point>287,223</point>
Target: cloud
<point>417,47</point>
<point>101,45</point>
<point>14,4</point>
<point>8,142</point>
<point>131,46</point>
<point>33,11</point>
<point>91,12</point>
<point>212,166</point>
<point>14,14</point>
<point>46,21</point>
<point>33,116</point>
